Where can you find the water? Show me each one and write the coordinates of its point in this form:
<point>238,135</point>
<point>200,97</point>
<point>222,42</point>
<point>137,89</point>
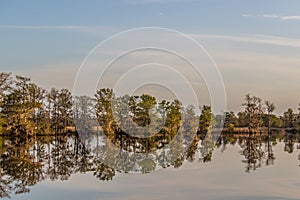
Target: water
<point>67,171</point>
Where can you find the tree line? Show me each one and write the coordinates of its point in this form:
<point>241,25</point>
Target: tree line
<point>27,109</point>
<point>258,114</point>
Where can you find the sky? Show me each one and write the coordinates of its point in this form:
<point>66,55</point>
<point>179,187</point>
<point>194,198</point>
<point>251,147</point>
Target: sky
<point>255,44</point>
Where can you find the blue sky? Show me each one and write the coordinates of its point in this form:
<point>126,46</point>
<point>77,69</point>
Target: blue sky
<point>249,39</point>
<point>207,16</point>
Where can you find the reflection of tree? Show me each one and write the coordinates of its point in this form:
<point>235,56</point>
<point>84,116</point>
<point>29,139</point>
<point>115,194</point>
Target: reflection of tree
<point>207,148</point>
<point>20,168</point>
<point>225,140</point>
<point>27,161</point>
<point>270,154</point>
<point>5,185</point>
<point>191,151</point>
<point>103,172</point>
<point>289,141</point>
<point>62,160</point>
<point>206,123</point>
<point>147,165</point>
<point>252,152</point>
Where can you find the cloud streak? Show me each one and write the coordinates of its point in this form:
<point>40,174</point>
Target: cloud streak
<point>42,27</point>
<point>290,17</point>
<point>91,30</point>
<point>274,16</point>
<point>259,39</point>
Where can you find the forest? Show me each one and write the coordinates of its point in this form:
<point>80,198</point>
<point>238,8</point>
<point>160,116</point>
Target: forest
<point>27,109</point>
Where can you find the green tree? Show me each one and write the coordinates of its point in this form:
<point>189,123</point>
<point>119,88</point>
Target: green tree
<point>17,108</point>
<point>206,120</point>
<point>242,119</point>
<point>231,120</point>
<point>65,110</point>
<point>270,109</point>
<point>144,108</point>
<point>60,109</point>
<point>104,113</point>
<point>174,120</point>
<point>289,118</point>
<point>253,111</point>
<point>190,122</point>
<point>275,121</point>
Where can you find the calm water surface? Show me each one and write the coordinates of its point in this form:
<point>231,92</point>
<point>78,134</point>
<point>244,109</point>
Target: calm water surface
<point>272,172</point>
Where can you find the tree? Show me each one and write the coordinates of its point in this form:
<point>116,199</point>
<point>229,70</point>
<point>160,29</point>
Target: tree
<point>52,107</point>
<point>289,118</point>
<point>143,109</point>
<point>231,120</point>
<point>206,120</point>
<point>253,111</point>
<point>36,108</point>
<point>65,109</point>
<point>5,86</point>
<point>174,116</point>
<point>60,109</point>
<point>275,121</point>
<point>190,122</point>
<point>84,113</point>
<point>104,113</point>
<point>23,109</point>
<point>270,109</point>
<point>298,116</point>
<point>242,119</point>
<point>17,108</point>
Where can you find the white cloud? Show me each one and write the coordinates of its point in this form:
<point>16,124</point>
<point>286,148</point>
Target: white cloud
<point>273,16</point>
<point>290,17</point>
<point>269,16</point>
<point>260,39</point>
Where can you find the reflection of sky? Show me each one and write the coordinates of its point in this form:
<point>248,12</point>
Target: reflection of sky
<point>223,178</point>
